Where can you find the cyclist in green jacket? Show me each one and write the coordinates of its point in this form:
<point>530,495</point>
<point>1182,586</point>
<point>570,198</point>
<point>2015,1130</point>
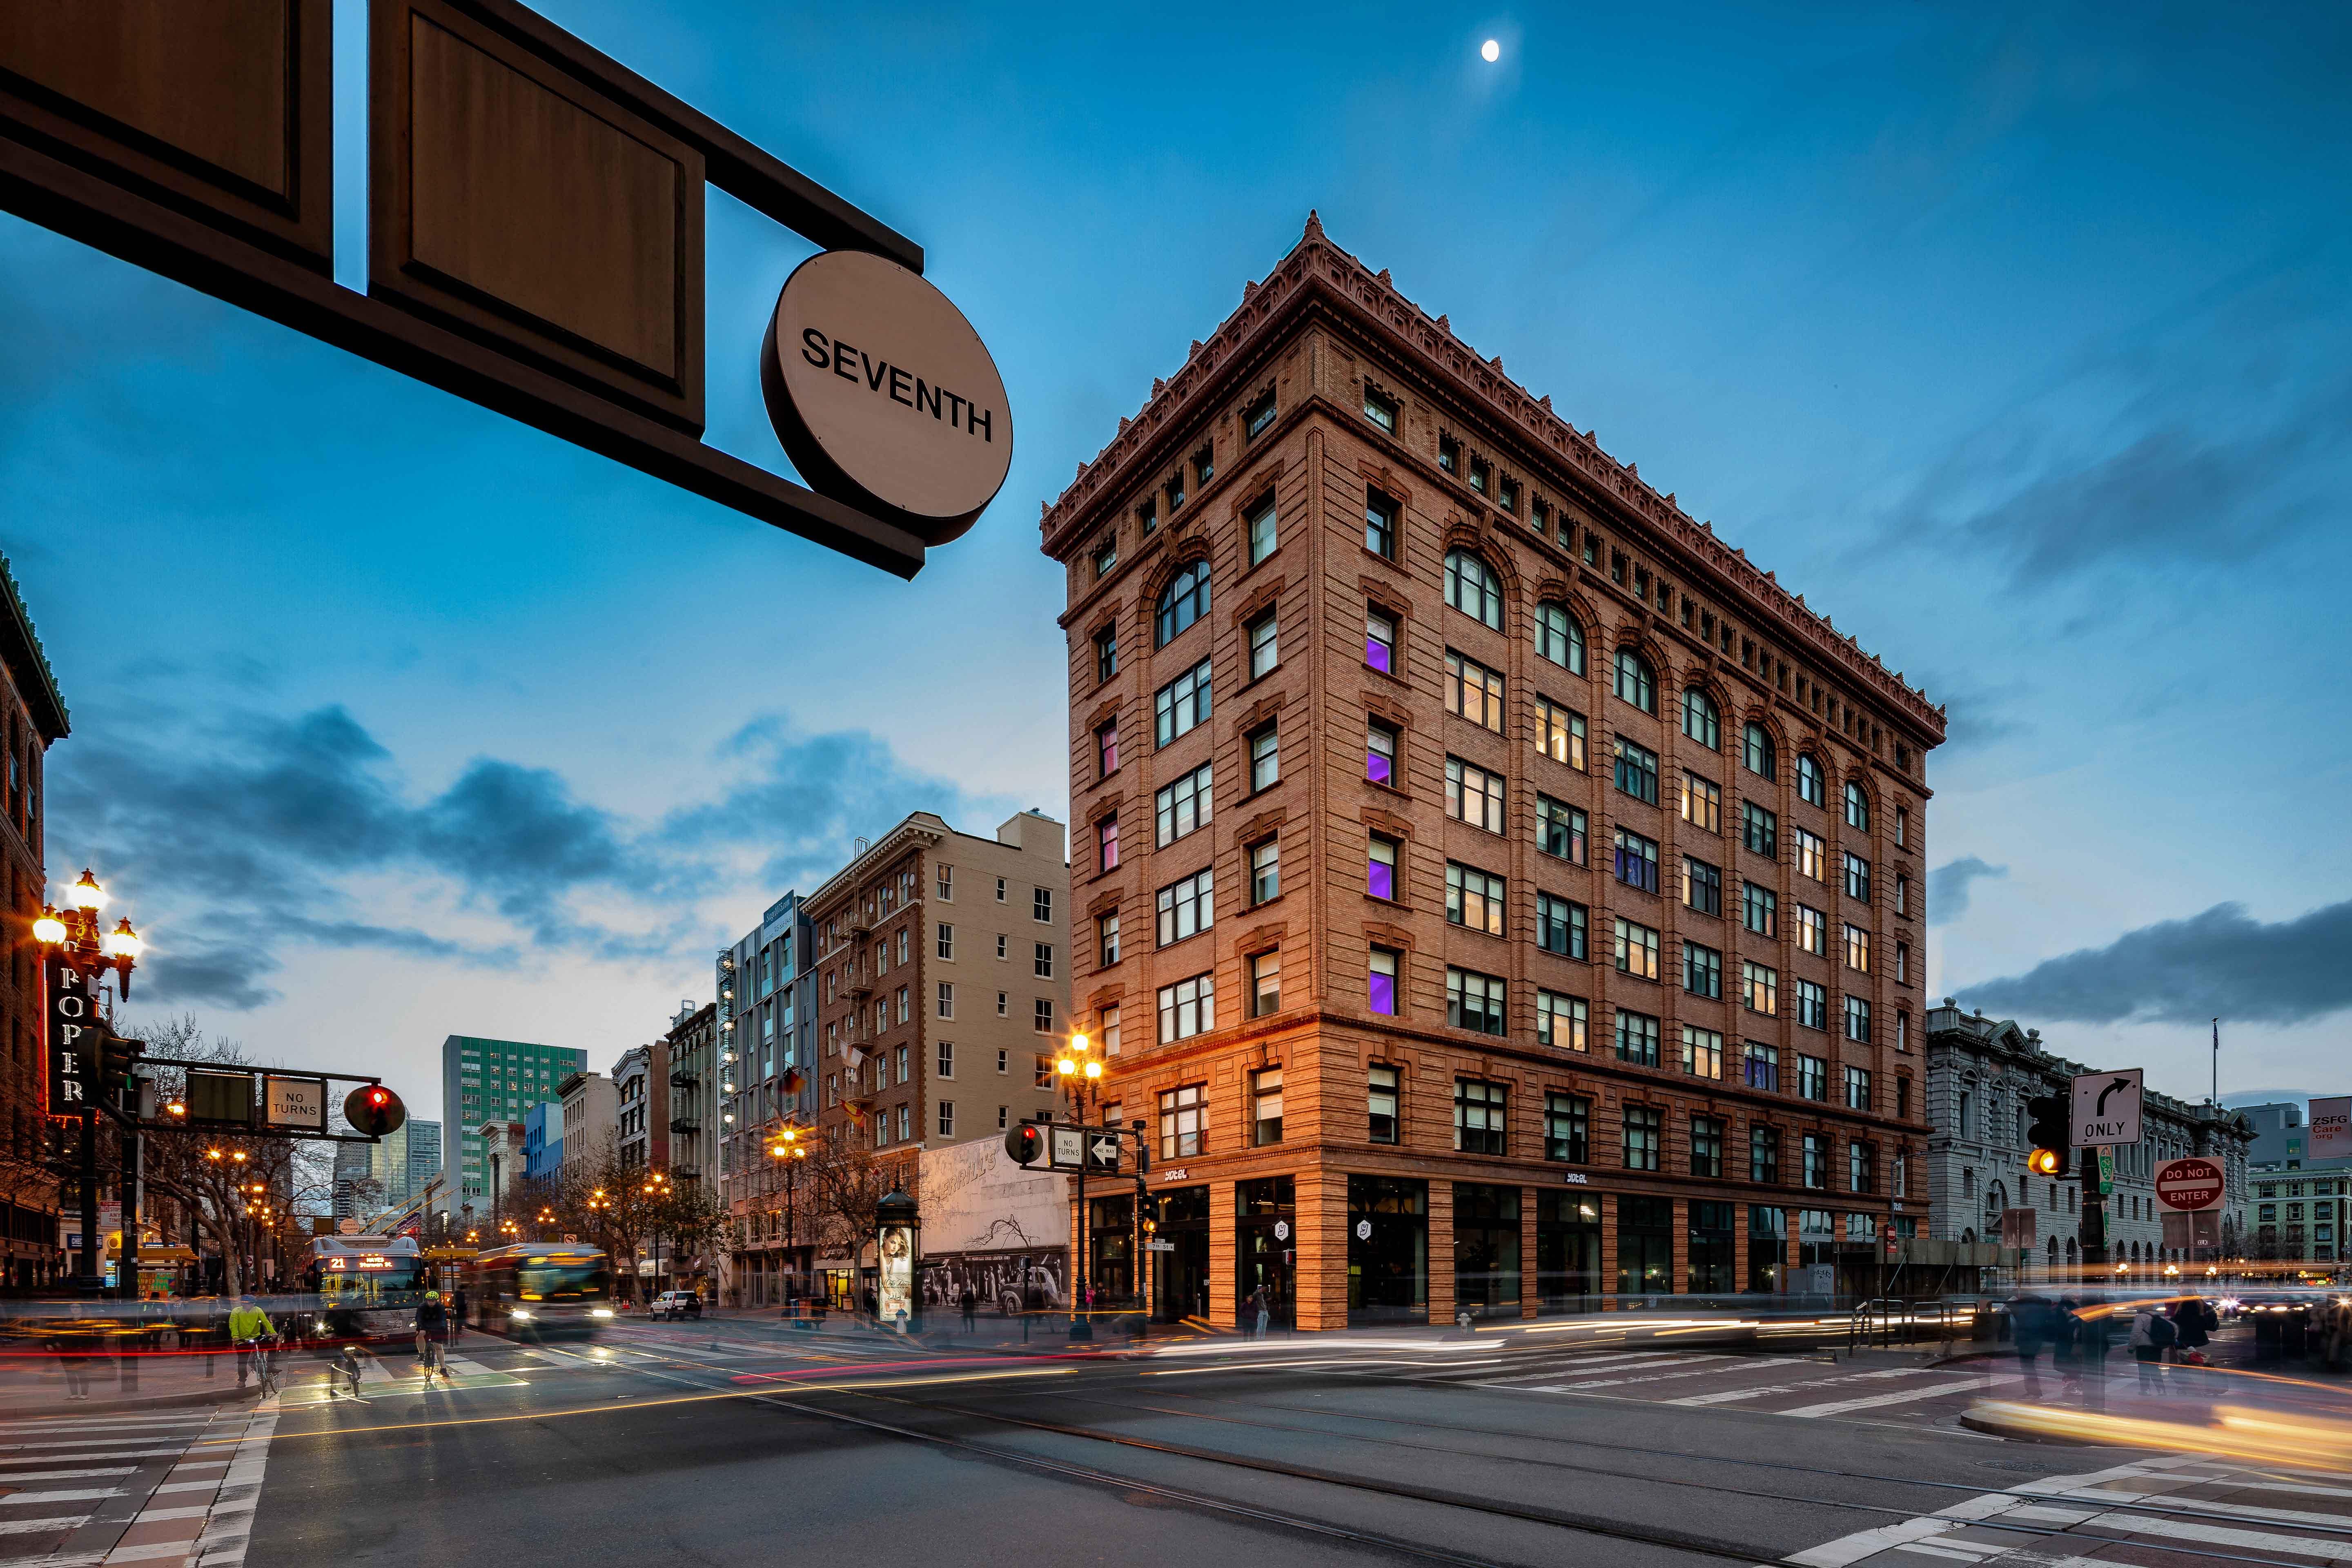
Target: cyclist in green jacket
<point>248,1325</point>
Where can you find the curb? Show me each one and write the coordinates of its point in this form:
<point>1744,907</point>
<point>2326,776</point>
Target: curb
<point>60,1406</point>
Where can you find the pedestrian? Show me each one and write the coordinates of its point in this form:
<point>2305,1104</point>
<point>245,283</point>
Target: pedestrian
<point>2029,1327</point>
<point>248,1323</point>
<point>2066,1341</point>
<point>75,1360</point>
<point>969,1303</point>
<point>1262,1304</point>
<point>2152,1334</point>
<point>432,1327</point>
<point>457,1315</point>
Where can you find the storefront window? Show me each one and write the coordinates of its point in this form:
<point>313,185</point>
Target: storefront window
<point>1767,1248</point>
<point>1567,1252</point>
<point>1388,1250</point>
<point>1713,1249</point>
<point>1645,1247</point>
<point>1486,1248</point>
<point>1265,1250</point>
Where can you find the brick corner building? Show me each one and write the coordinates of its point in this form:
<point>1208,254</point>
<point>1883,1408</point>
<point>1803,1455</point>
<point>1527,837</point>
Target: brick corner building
<point>32,718</point>
<point>1500,894</point>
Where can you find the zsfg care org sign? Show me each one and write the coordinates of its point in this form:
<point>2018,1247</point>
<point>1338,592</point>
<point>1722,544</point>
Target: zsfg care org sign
<point>884,397</point>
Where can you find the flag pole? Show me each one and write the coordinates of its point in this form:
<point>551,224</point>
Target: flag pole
<point>2217,1061</point>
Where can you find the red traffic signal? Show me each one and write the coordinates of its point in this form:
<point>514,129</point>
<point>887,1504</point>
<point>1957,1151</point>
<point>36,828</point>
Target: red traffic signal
<point>1024,1144</point>
<point>374,1109</point>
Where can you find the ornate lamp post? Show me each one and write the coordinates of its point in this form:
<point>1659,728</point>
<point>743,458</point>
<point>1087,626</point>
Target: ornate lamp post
<point>1080,1072</point>
<point>786,1148</point>
<point>79,955</point>
<point>656,1189</point>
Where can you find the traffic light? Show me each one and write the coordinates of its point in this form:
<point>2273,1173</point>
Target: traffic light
<point>116,1056</point>
<point>2046,1133</point>
<point>374,1109</point>
<point>1024,1144</point>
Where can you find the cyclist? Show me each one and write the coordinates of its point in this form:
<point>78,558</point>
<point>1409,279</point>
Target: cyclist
<point>248,1328</point>
<point>432,1329</point>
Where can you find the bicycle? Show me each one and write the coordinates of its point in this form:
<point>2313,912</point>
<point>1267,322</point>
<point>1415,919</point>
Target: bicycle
<point>265,1366</point>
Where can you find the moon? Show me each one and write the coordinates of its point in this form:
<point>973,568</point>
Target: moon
<point>1490,51</point>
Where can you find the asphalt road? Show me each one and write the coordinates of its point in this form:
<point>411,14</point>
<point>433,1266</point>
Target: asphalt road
<point>655,1447</point>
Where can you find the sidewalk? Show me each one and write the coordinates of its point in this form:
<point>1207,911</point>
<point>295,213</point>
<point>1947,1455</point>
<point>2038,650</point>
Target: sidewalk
<point>35,1384</point>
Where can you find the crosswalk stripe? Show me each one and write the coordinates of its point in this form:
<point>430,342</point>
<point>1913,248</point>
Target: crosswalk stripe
<point>1706,1363</point>
<point>113,1454</point>
<point>21,1476</point>
<point>1903,1396</point>
<point>37,1526</point>
<point>19,1499</point>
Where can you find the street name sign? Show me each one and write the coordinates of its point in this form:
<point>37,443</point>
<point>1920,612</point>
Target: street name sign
<point>2105,1108</point>
<point>2189,1185</point>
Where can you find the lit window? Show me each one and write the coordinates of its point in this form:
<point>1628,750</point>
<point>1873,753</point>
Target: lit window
<point>1379,754</point>
<point>1637,949</point>
<point>1382,982</point>
<point>1474,899</point>
<point>1475,1000</point>
<point>1561,1022</point>
<point>1474,691</point>
<point>1560,733</point>
<point>1474,796</point>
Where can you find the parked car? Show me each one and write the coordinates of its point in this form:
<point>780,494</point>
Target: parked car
<point>676,1304</point>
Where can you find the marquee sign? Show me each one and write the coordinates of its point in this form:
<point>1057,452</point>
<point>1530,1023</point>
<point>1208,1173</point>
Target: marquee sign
<point>74,1034</point>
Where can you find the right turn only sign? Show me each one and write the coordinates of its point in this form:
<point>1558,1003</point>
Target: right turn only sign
<point>2189,1185</point>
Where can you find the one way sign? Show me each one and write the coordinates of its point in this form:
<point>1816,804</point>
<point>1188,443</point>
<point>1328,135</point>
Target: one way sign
<point>2107,1107</point>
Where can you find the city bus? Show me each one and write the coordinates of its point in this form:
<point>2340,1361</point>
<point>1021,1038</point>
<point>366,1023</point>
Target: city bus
<point>540,1290</point>
<point>368,1288</point>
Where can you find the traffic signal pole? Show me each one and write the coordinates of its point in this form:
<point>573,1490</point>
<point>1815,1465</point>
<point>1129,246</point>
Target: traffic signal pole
<point>89,1279</point>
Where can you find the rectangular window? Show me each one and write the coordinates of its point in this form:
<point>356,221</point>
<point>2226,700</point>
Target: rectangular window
<point>1449,455</point>
<point>1480,475</point>
<point>1812,930</point>
<point>1107,750</point>
<point>1181,807</point>
<point>1379,641</point>
<point>1760,909</point>
<point>1560,830</point>
<point>1188,1008</point>
<point>1759,1066</point>
<point>1475,1000</point>
<point>1902,962</point>
<point>1107,843</point>
<point>1265,649</point>
<point>1857,948</point>
<point>1636,860</point>
<point>1813,1005</point>
<point>1857,1018</point>
<point>1042,1016</point>
<point>1560,733</point>
<point>1474,691</point>
<point>1380,1104</point>
<point>1106,940</point>
<point>1759,987</point>
<point>1637,770</point>
<point>945,938</point>
<point>1862,1167</point>
<point>1474,899</point>
<point>1702,971</point>
<point>1759,830</point>
<point>1380,753</point>
<point>1380,524</point>
<point>1259,416</point>
<point>1902,894</point>
<point>1265,984</point>
<point>1474,796</point>
<point>1181,704</point>
<point>1041,905</point>
<point>946,1117</point>
<point>1643,1126</point>
<point>1637,1039</point>
<point>1042,961</point>
<point>1183,1122</point>
<point>947,999</point>
<point>1568,1129</point>
<point>1857,879</point>
<point>1174,491</point>
<point>1702,1052</point>
<point>1265,871</point>
<point>1637,949</point>
<point>1702,804</point>
<point>1480,1113</point>
<point>1902,826</point>
<point>1857,1089</point>
<point>1106,653</point>
<point>1265,759</point>
<point>1764,1155</point>
<point>1381,982</point>
<point>1380,411</point>
<point>1262,533</point>
<point>1506,495</point>
<point>1381,869</point>
<point>1561,1022</point>
<point>1702,886</point>
<point>1266,1106</point>
<point>1812,858</point>
<point>1560,926</point>
<point>1109,1029</point>
<point>1706,1146</point>
<point>1188,908</point>
<point>1815,1153</point>
<point>1814,1077</point>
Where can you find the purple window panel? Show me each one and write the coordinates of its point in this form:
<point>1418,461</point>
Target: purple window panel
<point>1376,767</point>
<point>1380,879</point>
<point>1376,654</point>
<point>1383,988</point>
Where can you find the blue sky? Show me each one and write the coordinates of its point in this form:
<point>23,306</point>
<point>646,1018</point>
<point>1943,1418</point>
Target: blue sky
<point>2017,338</point>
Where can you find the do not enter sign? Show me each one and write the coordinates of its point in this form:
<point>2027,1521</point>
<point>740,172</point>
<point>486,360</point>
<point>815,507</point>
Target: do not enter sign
<point>2187,1186</point>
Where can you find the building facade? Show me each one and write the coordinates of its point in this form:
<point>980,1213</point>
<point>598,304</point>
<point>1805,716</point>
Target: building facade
<point>592,1118</point>
<point>641,1105</point>
<point>1980,1073</point>
<point>542,1141</point>
<point>2295,1207</point>
<point>1503,894</point>
<point>32,718</point>
<point>484,1079</point>
<point>942,980</point>
<point>764,1031</point>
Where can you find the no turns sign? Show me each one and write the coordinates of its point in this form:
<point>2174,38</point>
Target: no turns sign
<point>2189,1185</point>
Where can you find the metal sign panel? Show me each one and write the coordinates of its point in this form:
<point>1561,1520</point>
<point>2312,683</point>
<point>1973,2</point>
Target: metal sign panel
<point>2017,1227</point>
<point>1065,1148</point>
<point>2107,1107</point>
<point>219,1098</point>
<point>2331,1127</point>
<point>74,1033</point>
<point>296,1102</point>
<point>1102,1154</point>
<point>2188,1185</point>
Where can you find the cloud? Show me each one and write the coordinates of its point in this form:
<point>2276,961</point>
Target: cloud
<point>257,831</point>
<point>2220,964</point>
<point>1948,888</point>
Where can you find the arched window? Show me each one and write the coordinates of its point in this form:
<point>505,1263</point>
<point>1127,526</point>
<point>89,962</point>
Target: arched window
<point>1558,636</point>
<point>1811,784</point>
<point>1967,1180</point>
<point>1471,587</point>
<point>1636,683</point>
<point>1756,747</point>
<point>1857,806</point>
<point>1182,601</point>
<point>1700,721</point>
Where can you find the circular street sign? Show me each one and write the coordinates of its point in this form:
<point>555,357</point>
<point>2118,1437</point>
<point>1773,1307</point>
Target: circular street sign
<point>883,395</point>
<point>1282,1231</point>
<point>1364,1230</point>
<point>2188,1185</point>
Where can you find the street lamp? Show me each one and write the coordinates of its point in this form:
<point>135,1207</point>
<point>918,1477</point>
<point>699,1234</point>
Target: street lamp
<point>74,942</point>
<point>786,1148</point>
<point>1080,1072</point>
<point>656,1187</point>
